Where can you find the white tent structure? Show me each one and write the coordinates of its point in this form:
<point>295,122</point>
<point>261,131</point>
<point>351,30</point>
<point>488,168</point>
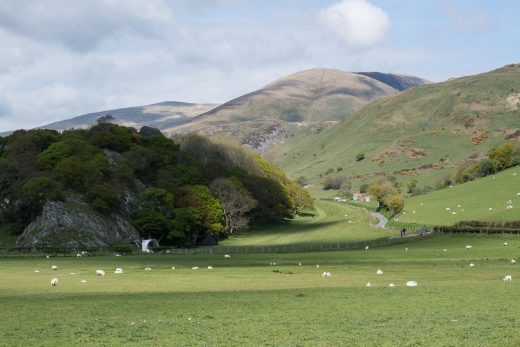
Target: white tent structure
<point>147,243</point>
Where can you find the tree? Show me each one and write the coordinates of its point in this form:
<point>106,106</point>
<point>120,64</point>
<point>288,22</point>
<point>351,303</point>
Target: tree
<point>360,156</point>
<point>333,182</point>
<point>153,212</point>
<point>380,189</point>
<point>108,118</point>
<point>236,203</point>
<point>394,202</point>
<point>411,186</point>
<point>503,156</point>
<point>345,189</point>
<point>363,188</point>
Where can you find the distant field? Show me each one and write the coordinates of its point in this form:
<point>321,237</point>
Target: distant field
<point>245,302</point>
<point>484,199</point>
<point>333,222</point>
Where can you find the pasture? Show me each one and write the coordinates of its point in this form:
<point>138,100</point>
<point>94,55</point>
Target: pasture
<point>244,301</point>
<point>485,199</point>
<point>333,222</point>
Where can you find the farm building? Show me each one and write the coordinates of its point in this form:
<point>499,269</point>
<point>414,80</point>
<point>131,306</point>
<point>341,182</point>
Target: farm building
<point>360,197</point>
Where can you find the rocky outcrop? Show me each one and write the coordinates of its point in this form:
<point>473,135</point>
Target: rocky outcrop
<point>73,224</point>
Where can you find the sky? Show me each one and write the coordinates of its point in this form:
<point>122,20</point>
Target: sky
<point>60,58</point>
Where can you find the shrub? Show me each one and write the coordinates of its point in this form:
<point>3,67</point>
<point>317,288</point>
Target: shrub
<point>360,156</point>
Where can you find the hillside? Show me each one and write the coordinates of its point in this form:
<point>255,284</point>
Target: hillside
<point>295,106</point>
<point>420,133</point>
<point>108,184</point>
<point>486,199</point>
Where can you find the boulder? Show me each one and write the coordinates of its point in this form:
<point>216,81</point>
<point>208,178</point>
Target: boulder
<point>72,224</point>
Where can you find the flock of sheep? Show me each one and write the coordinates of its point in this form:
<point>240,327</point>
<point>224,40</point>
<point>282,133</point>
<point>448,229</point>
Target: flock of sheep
<point>326,274</point>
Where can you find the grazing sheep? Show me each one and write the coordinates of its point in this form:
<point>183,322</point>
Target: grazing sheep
<point>78,255</point>
<point>366,248</point>
<point>54,267</point>
<point>326,274</point>
<point>444,250</point>
<point>448,209</point>
<point>379,272</point>
<point>369,285</point>
<point>36,270</point>
<point>406,249</point>
<point>508,278</point>
<point>317,266</point>
<point>54,282</point>
<point>100,273</point>
<point>454,213</point>
<point>83,252</point>
<point>513,261</point>
<point>411,284</point>
<point>272,264</point>
<point>118,255</point>
<point>509,207</point>
<point>118,270</point>
<point>468,247</point>
<point>147,269</point>
<point>391,285</point>
<point>195,268</point>
<point>471,265</point>
<point>227,256</point>
<point>173,267</point>
<point>490,209</point>
<point>47,257</point>
<point>210,267</point>
<point>83,281</point>
<point>505,243</point>
<point>299,264</point>
<point>72,273</point>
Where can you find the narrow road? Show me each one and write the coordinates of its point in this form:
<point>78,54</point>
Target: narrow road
<point>382,220</point>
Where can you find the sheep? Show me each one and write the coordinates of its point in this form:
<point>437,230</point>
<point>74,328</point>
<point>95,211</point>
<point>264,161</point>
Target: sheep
<point>379,272</point>
<point>317,266</point>
<point>54,282</point>
<point>513,261</point>
<point>210,267</point>
<point>72,273</point>
<point>195,268</point>
<point>471,265</point>
<point>173,267</point>
<point>366,248</point>
<point>413,212</point>
<point>36,271</point>
<point>83,281</point>
<point>369,284</point>
<point>508,278</point>
<point>54,267</point>
<point>100,273</point>
<point>272,264</point>
<point>78,255</point>
<point>509,207</point>
<point>147,269</point>
<point>505,243</point>
<point>491,209</point>
<point>391,285</point>
<point>468,247</point>
<point>118,255</point>
<point>47,257</point>
<point>448,209</point>
<point>406,249</point>
<point>326,274</point>
<point>118,271</point>
<point>444,250</point>
<point>83,252</point>
<point>227,256</point>
<point>411,284</point>
<point>454,213</point>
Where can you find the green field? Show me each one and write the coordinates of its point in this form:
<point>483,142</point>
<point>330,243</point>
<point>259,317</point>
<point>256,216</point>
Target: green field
<point>333,222</point>
<point>245,302</point>
<point>483,199</point>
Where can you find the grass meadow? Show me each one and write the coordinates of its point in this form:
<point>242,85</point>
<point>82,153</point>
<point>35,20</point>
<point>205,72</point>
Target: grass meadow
<point>245,301</point>
<point>485,199</point>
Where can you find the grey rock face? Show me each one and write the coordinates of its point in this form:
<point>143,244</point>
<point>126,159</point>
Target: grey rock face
<point>73,223</point>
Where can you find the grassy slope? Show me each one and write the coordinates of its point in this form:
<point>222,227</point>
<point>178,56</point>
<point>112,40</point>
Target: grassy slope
<point>330,225</point>
<point>475,199</point>
<point>243,302</point>
<point>428,117</point>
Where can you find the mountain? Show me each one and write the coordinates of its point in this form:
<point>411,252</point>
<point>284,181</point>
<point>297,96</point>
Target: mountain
<point>419,133</point>
<point>295,106</point>
<point>161,116</point>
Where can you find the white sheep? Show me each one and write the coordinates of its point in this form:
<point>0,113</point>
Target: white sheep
<point>317,266</point>
<point>471,265</point>
<point>505,243</point>
<point>491,209</point>
<point>411,284</point>
<point>508,278</point>
<point>195,268</point>
<point>448,209</point>
<point>366,248</point>
<point>468,247</point>
<point>54,267</point>
<point>173,267</point>
<point>83,281</point>
<point>36,271</point>
<point>227,256</point>
<point>326,274</point>
<point>47,257</point>
<point>444,250</point>
<point>118,271</point>
<point>54,282</point>
<point>406,249</point>
<point>369,284</point>
<point>379,272</point>
<point>210,267</point>
<point>513,261</point>
<point>118,255</point>
<point>78,255</point>
<point>454,213</point>
<point>72,273</point>
<point>100,273</point>
<point>83,252</point>
<point>147,269</point>
<point>391,285</point>
<point>300,264</point>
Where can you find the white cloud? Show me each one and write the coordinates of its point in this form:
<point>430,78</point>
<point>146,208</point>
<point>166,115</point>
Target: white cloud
<point>358,23</point>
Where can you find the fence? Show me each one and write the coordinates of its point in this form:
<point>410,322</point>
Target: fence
<point>381,242</point>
